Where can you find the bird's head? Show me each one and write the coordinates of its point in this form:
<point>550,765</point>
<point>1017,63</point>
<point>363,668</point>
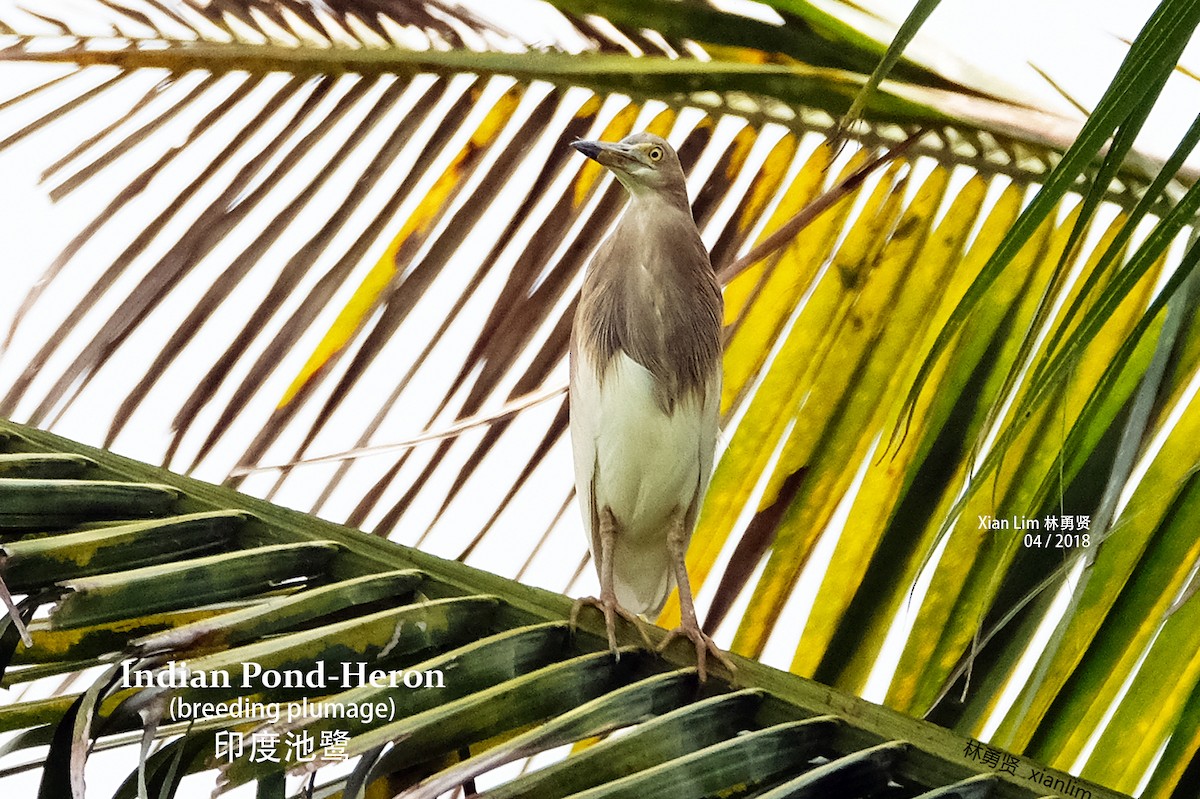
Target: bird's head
<point>641,161</point>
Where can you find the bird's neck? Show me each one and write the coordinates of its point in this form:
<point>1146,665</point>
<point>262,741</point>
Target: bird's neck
<point>654,250</point>
<point>658,200</point>
<point>659,218</point>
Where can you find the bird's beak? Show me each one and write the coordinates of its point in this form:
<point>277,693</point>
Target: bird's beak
<point>610,154</point>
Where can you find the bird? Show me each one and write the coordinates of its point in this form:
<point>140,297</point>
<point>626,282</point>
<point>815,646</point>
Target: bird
<point>644,393</point>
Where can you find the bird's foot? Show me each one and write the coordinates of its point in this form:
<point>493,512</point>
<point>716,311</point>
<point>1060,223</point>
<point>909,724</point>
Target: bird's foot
<point>609,607</point>
<point>703,645</point>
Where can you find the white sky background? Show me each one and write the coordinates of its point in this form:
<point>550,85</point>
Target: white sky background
<point>1075,41</point>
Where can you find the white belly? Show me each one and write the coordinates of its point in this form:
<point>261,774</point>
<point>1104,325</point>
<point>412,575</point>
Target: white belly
<point>644,465</point>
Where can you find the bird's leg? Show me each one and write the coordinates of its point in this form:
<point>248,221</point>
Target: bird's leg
<point>607,603</point>
<point>689,626</point>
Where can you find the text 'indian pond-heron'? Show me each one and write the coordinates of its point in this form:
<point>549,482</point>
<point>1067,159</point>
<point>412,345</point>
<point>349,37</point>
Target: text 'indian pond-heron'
<point>645,390</point>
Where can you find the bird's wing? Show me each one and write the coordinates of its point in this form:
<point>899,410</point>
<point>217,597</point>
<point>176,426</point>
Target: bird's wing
<point>584,398</point>
<point>706,447</point>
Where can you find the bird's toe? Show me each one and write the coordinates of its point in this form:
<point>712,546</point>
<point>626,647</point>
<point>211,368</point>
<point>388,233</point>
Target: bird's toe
<point>609,625</point>
<point>611,610</point>
<point>703,645</point>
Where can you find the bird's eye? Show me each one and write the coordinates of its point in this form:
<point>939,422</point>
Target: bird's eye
<point>655,153</point>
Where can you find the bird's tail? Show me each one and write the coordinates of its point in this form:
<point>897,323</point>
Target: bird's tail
<point>642,576</point>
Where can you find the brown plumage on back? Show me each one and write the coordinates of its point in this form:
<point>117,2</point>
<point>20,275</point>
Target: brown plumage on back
<point>645,388</point>
<point>661,306</point>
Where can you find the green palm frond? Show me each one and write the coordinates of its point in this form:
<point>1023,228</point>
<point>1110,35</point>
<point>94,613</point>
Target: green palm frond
<point>487,670</point>
<point>305,227</point>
